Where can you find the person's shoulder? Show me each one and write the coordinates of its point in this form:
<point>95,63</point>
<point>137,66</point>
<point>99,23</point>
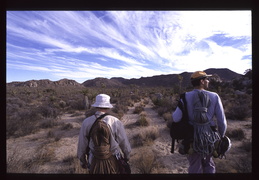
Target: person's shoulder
<point>211,93</point>
<point>88,119</point>
<point>112,118</point>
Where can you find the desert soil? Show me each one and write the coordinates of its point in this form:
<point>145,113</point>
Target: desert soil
<point>53,150</point>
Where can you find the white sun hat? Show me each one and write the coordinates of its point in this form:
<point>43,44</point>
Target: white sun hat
<point>102,101</point>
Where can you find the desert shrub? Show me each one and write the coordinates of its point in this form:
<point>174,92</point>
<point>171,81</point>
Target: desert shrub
<point>120,109</point>
<point>135,98</point>
<point>137,140</point>
<point>48,123</point>
<point>145,163</point>
<point>15,101</point>
<point>68,159</point>
<point>138,109</point>
<point>76,114</point>
<point>146,136</point>
<point>73,165</point>
<point>146,101</point>
<point>76,104</point>
<point>22,122</point>
<point>247,146</point>
<point>244,165</point>
<point>238,107</point>
<point>62,104</point>
<point>45,154</point>
<point>50,134</point>
<point>143,120</point>
<point>167,116</point>
<point>67,126</point>
<point>238,112</point>
<point>48,111</point>
<point>164,105</point>
<point>55,135</point>
<point>237,134</point>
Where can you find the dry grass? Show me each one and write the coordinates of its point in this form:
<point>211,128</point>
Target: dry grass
<point>167,116</point>
<point>138,109</point>
<point>73,165</point>
<point>19,164</point>
<point>143,120</point>
<point>244,165</point>
<point>145,163</point>
<point>237,134</point>
<point>145,137</point>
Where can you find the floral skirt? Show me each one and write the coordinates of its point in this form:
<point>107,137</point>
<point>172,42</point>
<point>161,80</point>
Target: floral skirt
<point>104,166</point>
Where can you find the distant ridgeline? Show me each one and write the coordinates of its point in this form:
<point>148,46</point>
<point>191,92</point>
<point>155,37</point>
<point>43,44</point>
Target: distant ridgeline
<point>154,81</point>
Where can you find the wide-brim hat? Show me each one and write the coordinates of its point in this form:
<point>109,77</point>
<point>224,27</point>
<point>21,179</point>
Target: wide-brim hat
<point>199,75</point>
<point>102,101</point>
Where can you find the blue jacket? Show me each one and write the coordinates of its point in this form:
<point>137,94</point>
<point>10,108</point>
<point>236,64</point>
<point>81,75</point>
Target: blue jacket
<point>215,109</point>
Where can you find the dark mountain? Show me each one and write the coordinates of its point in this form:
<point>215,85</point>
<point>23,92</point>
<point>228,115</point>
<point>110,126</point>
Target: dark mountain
<point>119,79</point>
<point>224,73</point>
<point>46,83</point>
<point>104,82</point>
<point>161,80</point>
<point>169,80</point>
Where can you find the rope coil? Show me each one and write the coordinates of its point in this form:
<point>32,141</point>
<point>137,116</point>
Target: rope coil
<point>204,136</point>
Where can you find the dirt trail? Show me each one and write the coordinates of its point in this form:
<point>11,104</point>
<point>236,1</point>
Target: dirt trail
<point>166,162</point>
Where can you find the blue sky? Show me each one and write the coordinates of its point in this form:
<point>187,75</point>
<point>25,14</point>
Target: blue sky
<point>82,45</point>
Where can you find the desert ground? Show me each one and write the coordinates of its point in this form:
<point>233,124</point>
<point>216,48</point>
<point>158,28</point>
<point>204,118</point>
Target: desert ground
<point>53,150</point>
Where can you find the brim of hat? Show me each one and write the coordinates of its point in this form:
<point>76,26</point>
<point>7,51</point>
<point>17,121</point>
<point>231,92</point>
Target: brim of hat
<point>208,75</point>
<point>102,105</point>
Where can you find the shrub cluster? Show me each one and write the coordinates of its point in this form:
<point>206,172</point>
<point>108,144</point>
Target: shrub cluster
<point>237,134</point>
<point>145,163</point>
<point>138,109</point>
<point>146,136</point>
<point>143,120</point>
<point>238,107</point>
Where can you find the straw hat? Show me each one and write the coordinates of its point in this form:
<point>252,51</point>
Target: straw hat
<point>199,75</point>
<point>102,101</point>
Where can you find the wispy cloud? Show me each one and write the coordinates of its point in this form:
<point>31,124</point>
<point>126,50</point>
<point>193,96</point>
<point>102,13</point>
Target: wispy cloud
<point>87,44</point>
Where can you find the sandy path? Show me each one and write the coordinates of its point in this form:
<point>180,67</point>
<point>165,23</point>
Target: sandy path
<point>166,162</point>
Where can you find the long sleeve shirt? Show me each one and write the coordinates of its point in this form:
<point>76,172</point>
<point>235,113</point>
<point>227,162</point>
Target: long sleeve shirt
<point>119,141</point>
<point>215,109</point>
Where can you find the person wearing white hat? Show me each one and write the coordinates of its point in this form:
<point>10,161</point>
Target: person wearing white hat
<point>202,106</point>
<point>118,142</point>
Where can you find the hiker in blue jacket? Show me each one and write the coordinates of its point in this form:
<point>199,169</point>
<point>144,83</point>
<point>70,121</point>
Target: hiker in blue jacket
<point>202,106</point>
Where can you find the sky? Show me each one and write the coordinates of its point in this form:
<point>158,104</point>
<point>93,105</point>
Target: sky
<point>83,45</point>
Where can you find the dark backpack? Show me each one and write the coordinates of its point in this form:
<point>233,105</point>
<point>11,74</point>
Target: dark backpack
<point>90,132</point>
<point>181,130</point>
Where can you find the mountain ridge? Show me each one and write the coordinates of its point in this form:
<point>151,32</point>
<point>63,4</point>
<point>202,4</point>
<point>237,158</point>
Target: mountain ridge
<point>167,80</point>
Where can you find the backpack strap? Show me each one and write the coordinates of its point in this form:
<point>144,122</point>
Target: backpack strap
<point>185,111</point>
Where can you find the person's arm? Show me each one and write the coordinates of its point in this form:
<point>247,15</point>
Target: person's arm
<point>177,115</point>
<point>221,119</point>
<point>122,139</point>
<point>82,145</point>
